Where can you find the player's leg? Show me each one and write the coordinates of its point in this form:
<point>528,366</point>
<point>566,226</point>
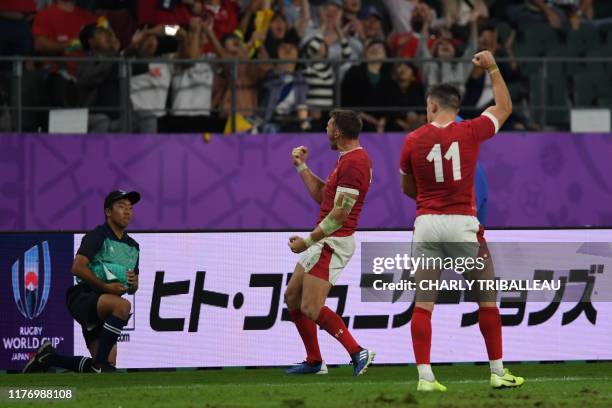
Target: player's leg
<point>46,356</point>
<point>467,241</point>
<point>315,288</point>
<point>80,302</point>
<point>93,348</point>
<point>427,245</point>
<point>489,321</point>
<point>305,326</point>
<point>112,356</point>
<point>314,294</point>
<point>114,311</point>
<point>420,328</point>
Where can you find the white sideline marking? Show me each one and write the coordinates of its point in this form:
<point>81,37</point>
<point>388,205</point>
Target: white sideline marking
<point>356,382</point>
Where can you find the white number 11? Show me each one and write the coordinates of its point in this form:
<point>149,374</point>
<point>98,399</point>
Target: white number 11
<point>452,154</point>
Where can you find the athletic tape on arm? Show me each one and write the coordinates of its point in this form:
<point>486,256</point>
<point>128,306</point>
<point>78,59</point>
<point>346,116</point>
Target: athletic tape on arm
<point>329,225</point>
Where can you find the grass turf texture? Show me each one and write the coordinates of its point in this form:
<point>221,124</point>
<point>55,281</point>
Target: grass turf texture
<point>547,385</point>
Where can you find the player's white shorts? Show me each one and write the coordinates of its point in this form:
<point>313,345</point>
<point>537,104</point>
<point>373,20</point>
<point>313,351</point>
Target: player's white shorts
<point>447,235</point>
<point>327,258</point>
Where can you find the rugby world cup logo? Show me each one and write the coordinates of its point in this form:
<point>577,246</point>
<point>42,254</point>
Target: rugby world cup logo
<point>27,293</point>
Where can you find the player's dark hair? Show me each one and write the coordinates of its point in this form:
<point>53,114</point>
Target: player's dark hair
<point>348,122</point>
<point>446,95</point>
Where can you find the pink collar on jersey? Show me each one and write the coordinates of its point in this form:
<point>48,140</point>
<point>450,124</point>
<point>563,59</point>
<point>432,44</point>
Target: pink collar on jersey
<point>439,125</point>
<point>348,151</point>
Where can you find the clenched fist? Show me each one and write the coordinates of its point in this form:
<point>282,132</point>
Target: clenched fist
<point>299,155</point>
<point>483,59</point>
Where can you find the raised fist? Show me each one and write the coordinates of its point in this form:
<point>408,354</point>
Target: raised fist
<point>299,155</point>
<point>483,59</point>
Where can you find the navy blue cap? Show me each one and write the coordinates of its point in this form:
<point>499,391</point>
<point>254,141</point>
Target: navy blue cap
<point>113,196</point>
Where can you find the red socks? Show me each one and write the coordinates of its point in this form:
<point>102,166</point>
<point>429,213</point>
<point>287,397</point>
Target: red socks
<point>308,332</point>
<point>489,321</point>
<point>330,322</point>
<point>420,328</point>
<point>333,324</point>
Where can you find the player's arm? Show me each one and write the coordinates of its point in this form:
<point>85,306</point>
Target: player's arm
<point>336,218</point>
<point>132,278</point>
<point>343,204</point>
<point>90,245</point>
<point>313,183</point>
<point>407,181</point>
<point>408,185</point>
<point>80,269</point>
<point>503,102</point>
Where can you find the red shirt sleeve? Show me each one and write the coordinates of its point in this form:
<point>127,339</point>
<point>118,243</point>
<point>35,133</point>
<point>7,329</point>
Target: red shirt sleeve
<point>405,160</point>
<point>483,127</point>
<point>351,176</point>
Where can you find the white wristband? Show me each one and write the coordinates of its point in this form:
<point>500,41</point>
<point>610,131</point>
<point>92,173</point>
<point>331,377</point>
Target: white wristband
<point>300,168</point>
<point>308,241</point>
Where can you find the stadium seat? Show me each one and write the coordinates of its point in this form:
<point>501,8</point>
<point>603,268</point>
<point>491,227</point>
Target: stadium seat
<point>515,89</point>
<point>564,69</point>
<point>605,102</point>
<point>584,92</point>
<point>538,36</point>
<point>602,87</point>
<point>584,39</point>
<point>605,68</point>
<point>535,98</point>
<point>557,96</point>
<point>602,9</point>
<point>504,29</point>
<point>528,49</point>
<point>605,49</point>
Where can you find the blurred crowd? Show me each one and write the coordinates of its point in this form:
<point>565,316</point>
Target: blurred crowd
<point>274,93</point>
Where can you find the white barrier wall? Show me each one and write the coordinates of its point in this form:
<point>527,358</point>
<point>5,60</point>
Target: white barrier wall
<point>236,282</point>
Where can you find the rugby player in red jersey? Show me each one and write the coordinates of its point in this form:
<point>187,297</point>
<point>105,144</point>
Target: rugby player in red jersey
<point>437,166</point>
<point>330,246</point>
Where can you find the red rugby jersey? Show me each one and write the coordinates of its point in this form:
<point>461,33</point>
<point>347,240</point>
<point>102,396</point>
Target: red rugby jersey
<point>353,173</point>
<point>443,163</point>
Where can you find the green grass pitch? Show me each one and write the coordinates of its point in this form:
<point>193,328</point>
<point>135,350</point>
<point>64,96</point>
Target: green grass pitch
<point>579,385</point>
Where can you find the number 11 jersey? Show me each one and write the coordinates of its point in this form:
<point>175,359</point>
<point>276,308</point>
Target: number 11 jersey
<point>442,160</point>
